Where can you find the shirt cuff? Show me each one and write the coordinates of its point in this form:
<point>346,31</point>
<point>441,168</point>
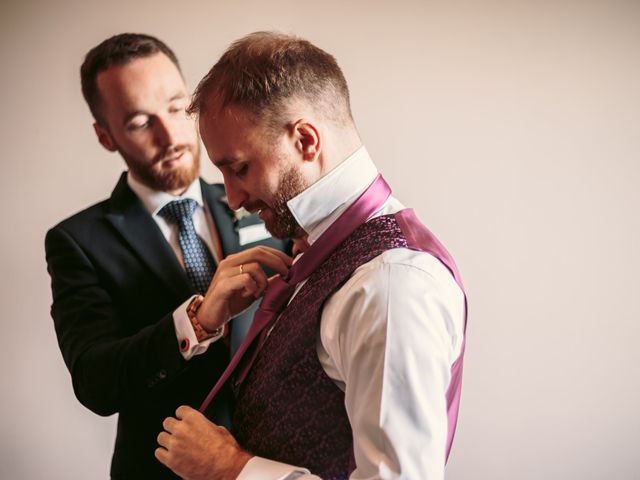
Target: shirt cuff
<point>187,340</point>
<point>259,468</point>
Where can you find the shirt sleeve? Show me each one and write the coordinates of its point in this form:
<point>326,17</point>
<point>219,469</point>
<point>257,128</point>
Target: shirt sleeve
<point>389,337</point>
<point>259,468</point>
<point>187,336</point>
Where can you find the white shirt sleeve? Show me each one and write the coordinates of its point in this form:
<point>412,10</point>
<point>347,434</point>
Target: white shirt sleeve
<point>388,338</point>
<point>259,468</point>
<point>184,331</point>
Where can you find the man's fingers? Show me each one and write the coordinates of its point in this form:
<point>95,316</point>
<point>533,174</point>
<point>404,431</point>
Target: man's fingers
<point>272,251</point>
<point>162,455</point>
<point>169,424</point>
<point>245,284</point>
<point>258,277</point>
<point>265,256</point>
<point>183,411</point>
<point>163,439</point>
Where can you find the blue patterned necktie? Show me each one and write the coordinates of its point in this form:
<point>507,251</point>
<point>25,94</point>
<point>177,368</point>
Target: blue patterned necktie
<point>198,261</point>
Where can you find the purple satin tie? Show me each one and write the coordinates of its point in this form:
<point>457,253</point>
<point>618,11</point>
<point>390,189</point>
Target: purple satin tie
<point>281,289</point>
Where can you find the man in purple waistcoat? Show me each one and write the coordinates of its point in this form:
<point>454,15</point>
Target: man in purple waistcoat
<point>353,365</point>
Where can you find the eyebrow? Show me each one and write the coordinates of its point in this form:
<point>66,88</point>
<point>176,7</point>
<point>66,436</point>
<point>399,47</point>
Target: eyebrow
<point>131,115</point>
<point>224,161</point>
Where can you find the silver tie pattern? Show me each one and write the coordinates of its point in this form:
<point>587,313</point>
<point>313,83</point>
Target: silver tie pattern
<point>198,261</point>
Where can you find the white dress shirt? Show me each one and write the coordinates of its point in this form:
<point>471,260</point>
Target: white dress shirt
<point>153,202</point>
<point>388,339</point>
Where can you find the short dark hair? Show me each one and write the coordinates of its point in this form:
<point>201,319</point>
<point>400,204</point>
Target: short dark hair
<point>263,70</point>
<point>117,50</point>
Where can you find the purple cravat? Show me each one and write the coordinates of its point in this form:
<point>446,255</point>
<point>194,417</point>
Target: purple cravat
<point>281,289</point>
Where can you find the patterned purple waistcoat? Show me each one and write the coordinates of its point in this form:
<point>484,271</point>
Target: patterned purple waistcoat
<point>288,409</point>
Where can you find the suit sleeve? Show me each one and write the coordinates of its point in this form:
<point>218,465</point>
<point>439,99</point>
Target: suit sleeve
<point>108,368</point>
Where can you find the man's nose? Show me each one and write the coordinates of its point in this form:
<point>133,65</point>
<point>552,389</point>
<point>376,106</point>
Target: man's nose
<point>236,196</point>
<point>166,132</point>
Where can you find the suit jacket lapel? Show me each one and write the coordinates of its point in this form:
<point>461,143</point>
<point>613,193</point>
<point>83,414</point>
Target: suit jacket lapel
<point>129,217</point>
<point>223,217</point>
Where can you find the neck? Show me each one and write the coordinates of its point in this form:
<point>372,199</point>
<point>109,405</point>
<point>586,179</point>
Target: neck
<point>341,144</point>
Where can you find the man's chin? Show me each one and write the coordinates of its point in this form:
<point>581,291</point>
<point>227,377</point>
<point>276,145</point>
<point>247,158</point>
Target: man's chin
<point>276,234</point>
<point>175,175</point>
<point>168,181</point>
<point>272,229</point>
<point>282,230</point>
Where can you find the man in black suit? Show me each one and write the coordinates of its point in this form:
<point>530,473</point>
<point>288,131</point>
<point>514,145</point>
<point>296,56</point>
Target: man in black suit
<point>123,278</point>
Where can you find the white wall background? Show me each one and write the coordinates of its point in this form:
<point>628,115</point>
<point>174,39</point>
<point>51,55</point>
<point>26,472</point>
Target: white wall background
<point>512,127</point>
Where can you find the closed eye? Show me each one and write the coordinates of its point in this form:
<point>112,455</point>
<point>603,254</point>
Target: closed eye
<point>134,126</point>
<point>177,108</point>
<point>242,171</point>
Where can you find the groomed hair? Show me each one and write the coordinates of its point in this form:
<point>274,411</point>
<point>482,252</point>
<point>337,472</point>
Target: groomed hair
<point>117,50</point>
<point>263,70</point>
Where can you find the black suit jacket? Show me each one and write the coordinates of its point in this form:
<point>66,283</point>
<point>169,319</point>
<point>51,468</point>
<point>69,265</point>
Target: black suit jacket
<point>116,282</point>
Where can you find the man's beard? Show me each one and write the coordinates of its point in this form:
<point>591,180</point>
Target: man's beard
<point>167,180</point>
<point>282,223</point>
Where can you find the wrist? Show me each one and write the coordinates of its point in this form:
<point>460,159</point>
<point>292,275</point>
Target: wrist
<point>202,333</point>
<point>239,463</point>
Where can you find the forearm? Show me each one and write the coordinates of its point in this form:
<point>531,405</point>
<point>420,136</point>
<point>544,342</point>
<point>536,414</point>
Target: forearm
<point>115,354</point>
<point>110,373</point>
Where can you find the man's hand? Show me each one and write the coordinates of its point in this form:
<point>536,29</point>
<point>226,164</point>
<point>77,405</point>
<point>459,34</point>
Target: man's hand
<point>238,281</point>
<point>196,449</point>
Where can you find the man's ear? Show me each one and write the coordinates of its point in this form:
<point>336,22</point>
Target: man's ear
<point>104,137</point>
<point>308,139</point>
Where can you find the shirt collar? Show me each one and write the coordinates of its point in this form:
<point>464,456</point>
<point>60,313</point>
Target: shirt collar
<point>154,200</point>
<point>316,208</point>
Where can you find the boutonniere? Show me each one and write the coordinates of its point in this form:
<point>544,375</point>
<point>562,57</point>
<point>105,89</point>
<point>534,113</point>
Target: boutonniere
<point>240,214</point>
<point>237,214</point>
